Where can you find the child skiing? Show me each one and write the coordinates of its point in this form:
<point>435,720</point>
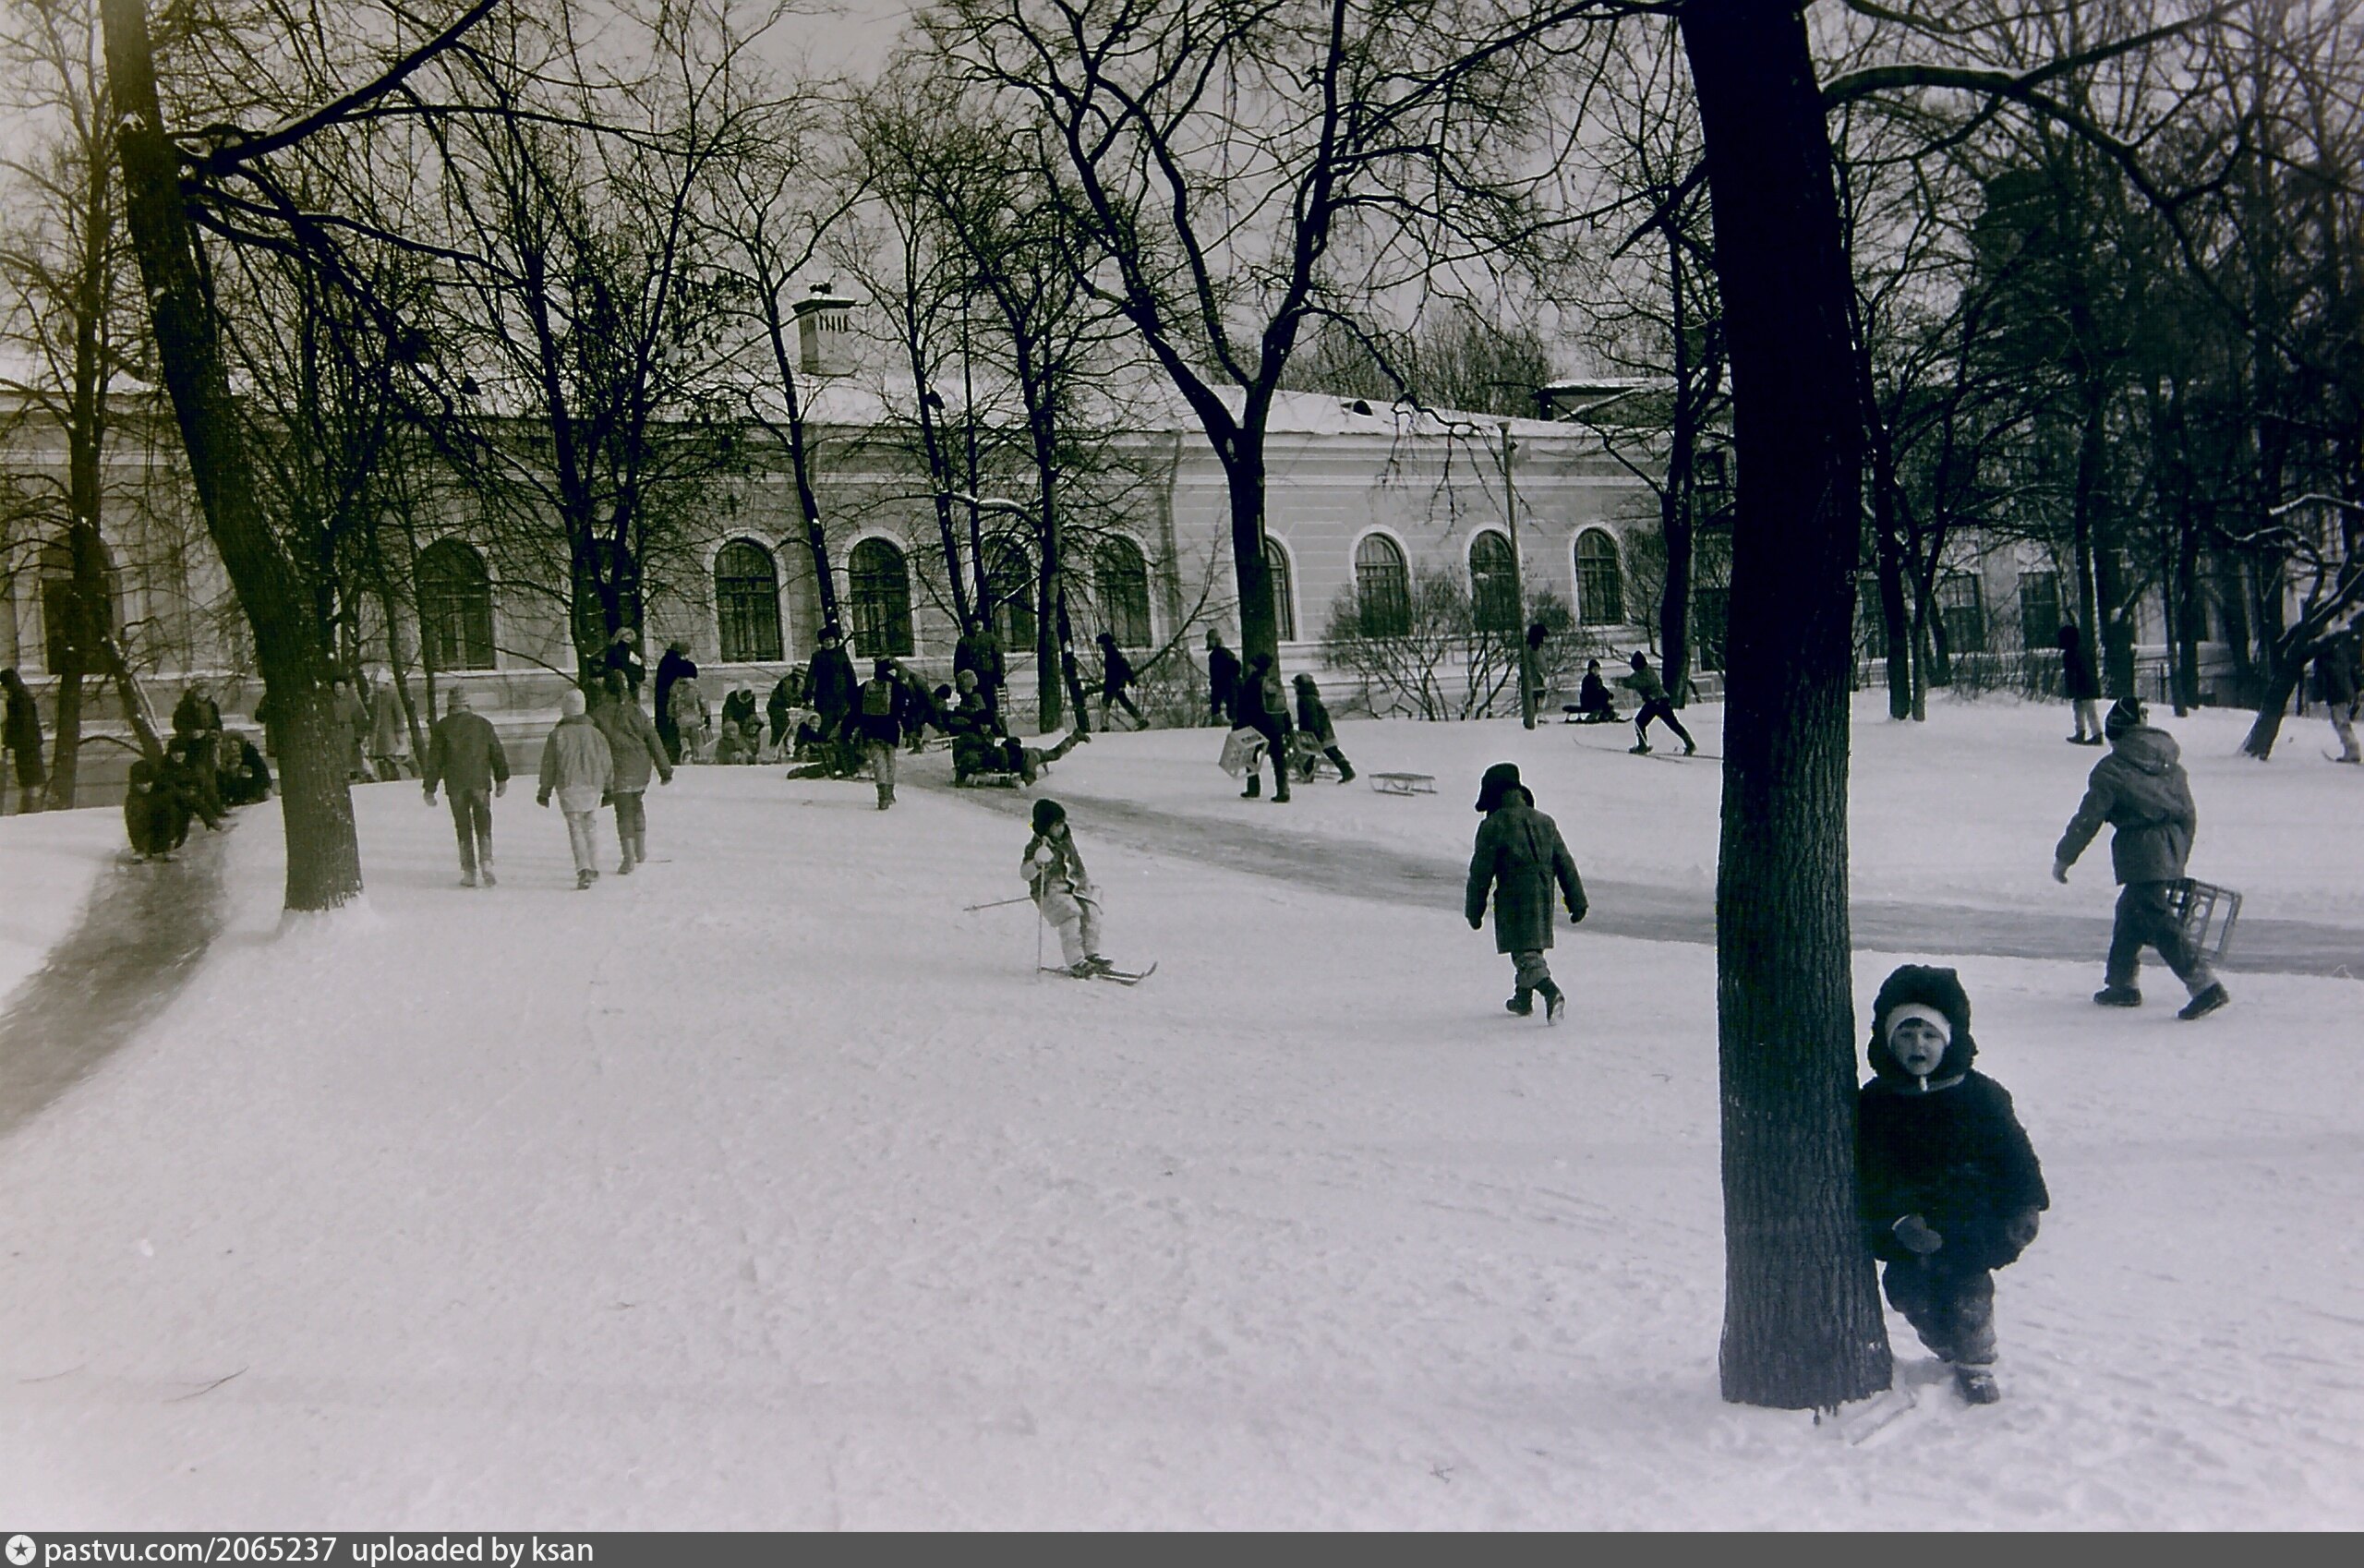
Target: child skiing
<point>1948,1184</point>
<point>1063,891</point>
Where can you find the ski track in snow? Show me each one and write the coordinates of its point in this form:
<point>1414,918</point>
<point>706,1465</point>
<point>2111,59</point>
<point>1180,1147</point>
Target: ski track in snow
<point>765,1188</point>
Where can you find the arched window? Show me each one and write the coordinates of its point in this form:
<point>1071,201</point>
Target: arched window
<point>882,600</point>
<point>1383,587</point>
<point>454,607</point>
<point>70,644</point>
<point>1124,592</point>
<point>1276,563</point>
<point>1493,583</point>
<point>746,602</point>
<point>1600,583</point>
<point>1009,596</point>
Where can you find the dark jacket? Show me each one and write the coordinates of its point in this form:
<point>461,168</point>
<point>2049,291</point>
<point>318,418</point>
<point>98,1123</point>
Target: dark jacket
<point>669,668</point>
<point>633,746</point>
<point>463,753</point>
<point>246,778</point>
<point>1263,704</point>
<point>738,707</point>
<point>1223,681</point>
<point>1952,1152</point>
<point>156,807</point>
<point>980,651</point>
<point>2336,670</point>
<point>1646,683</point>
<point>23,735</point>
<point>830,684</point>
<point>1593,697</point>
<point>1115,669</point>
<point>2077,678</point>
<point>2140,789</point>
<point>879,710</point>
<point>1519,857</point>
<point>1313,717</point>
<point>194,714</point>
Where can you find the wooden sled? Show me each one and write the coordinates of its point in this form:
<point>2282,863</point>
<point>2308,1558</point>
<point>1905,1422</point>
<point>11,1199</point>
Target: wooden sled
<point>1403,783</point>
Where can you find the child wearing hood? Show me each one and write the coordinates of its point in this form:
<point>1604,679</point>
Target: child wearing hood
<point>1519,857</point>
<point>1062,890</point>
<point>2140,789</point>
<point>1948,1183</point>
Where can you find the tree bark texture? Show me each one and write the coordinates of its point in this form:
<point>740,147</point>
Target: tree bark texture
<point>323,858</point>
<point>1803,1326</point>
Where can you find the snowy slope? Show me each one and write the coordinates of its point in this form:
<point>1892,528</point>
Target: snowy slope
<point>48,862</point>
<point>766,1187</point>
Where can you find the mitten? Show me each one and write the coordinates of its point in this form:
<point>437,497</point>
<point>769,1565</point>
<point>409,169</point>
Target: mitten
<point>1477,922</point>
<point>1576,913</point>
<point>2020,1229</point>
<point>1913,1231</point>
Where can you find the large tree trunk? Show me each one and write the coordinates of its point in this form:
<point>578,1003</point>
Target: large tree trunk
<point>324,860</point>
<point>1803,1326</point>
<point>1243,464</point>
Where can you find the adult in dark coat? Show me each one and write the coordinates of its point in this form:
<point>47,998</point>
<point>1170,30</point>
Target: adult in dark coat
<point>738,707</point>
<point>1115,675</point>
<point>2081,685</point>
<point>21,731</point>
<point>156,808</point>
<point>1222,681</point>
<point>980,652</point>
<point>1947,1185</point>
<point>830,684</point>
<point>1263,707</point>
<point>786,697</point>
<point>197,728</point>
<point>1520,858</point>
<point>245,777</point>
<point>2140,789</point>
<point>2335,671</point>
<point>671,668</point>
<point>464,755</point>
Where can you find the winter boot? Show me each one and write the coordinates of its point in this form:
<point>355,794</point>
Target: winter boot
<point>582,878</point>
<point>490,880</point>
<point>623,865</point>
<point>467,878</point>
<point>2118,996</point>
<point>1281,792</point>
<point>2207,1002</point>
<point>1555,1003</point>
<point>1346,773</point>
<point>1523,1004</point>
<point>1255,787</point>
<point>1642,750</point>
<point>640,849</point>
<point>1977,1385</point>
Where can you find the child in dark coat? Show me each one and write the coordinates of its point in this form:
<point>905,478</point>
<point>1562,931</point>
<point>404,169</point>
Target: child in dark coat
<point>1949,1184</point>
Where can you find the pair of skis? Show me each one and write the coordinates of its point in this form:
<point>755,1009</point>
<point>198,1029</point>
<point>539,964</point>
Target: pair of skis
<point>1121,976</point>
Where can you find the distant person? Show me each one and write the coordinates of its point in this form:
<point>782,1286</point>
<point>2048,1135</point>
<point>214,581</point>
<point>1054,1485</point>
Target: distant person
<point>738,707</point>
<point>920,709</point>
<point>244,779</point>
<point>1593,703</point>
<point>1656,704</point>
<point>1948,1184</point>
<point>2140,789</point>
<point>693,718</point>
<point>156,808</point>
<point>787,695</point>
<point>634,749</point>
<point>1064,891</point>
<point>829,687</point>
<point>1519,858</point>
<point>1264,708</point>
<point>196,732</point>
<point>577,767</point>
<point>21,733</point>
<point>1116,676</point>
<point>979,743</point>
<point>1222,681</point>
<point>1313,723</point>
<point>979,651</point>
<point>2335,670</point>
<point>739,744</point>
<point>670,668</point>
<point>351,721</point>
<point>623,657</point>
<point>2081,685</point>
<point>464,756</point>
<point>878,720</point>
<point>388,733</point>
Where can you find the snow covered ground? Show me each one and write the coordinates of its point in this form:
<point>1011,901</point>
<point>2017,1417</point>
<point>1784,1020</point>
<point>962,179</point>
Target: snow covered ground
<point>766,1187</point>
<point>48,862</point>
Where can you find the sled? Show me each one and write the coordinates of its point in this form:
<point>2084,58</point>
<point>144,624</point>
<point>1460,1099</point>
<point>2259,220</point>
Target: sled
<point>1578,716</point>
<point>1860,1421</point>
<point>989,778</point>
<point>1308,760</point>
<point>1403,783</point>
<point>2198,905</point>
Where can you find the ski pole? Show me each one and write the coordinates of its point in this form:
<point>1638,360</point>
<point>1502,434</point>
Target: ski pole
<point>1041,920</point>
<point>998,903</point>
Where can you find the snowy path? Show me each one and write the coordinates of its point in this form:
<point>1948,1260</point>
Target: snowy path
<point>1264,844</point>
<point>136,943</point>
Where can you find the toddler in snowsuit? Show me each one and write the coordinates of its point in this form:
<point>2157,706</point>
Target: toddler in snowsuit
<point>1063,889</point>
<point>1949,1184</point>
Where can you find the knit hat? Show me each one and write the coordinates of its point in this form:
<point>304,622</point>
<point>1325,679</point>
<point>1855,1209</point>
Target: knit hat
<point>571,702</point>
<point>1897,1018</point>
<point>1923,991</point>
<point>1499,781</point>
<point>1048,814</point>
<point>2124,714</point>
<point>457,702</point>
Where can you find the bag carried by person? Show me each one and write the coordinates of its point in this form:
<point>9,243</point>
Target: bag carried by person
<point>1242,749</point>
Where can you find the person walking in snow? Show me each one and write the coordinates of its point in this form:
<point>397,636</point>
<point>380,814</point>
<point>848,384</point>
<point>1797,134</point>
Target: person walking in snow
<point>352,719</point>
<point>1947,1185</point>
<point>1116,676</point>
<point>1656,704</point>
<point>20,737</point>
<point>1222,681</point>
<point>1519,858</point>
<point>2140,789</point>
<point>1313,722</point>
<point>2335,670</point>
<point>389,732</point>
<point>878,720</point>
<point>670,668</point>
<point>577,767</point>
<point>2081,685</point>
<point>464,755</point>
<point>1062,890</point>
<point>634,749</point>
<point>829,686</point>
<point>1264,708</point>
